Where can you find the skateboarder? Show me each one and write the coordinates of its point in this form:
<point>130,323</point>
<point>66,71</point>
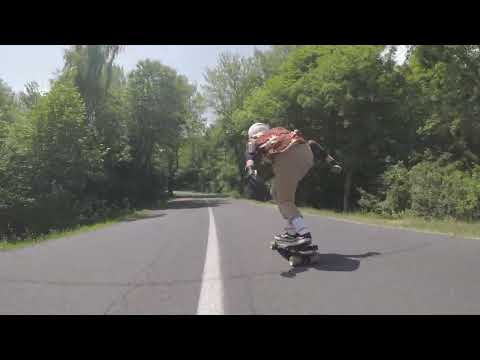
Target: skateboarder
<point>291,157</point>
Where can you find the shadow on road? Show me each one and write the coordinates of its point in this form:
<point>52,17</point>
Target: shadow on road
<point>190,203</point>
<point>332,262</point>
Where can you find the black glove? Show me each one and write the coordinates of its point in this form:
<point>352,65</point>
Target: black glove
<point>334,165</point>
<point>250,170</point>
<point>336,169</point>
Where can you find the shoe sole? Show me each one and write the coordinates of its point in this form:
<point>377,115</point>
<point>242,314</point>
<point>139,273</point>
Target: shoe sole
<point>287,244</point>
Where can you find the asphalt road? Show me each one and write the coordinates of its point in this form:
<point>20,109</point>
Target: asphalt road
<point>212,256</point>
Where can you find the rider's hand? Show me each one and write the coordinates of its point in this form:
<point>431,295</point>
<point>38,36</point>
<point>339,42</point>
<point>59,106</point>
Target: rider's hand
<point>336,169</point>
<point>249,167</point>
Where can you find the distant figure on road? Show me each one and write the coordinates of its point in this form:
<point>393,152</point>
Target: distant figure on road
<point>291,157</point>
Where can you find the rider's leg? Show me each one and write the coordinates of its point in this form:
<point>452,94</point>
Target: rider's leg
<point>289,230</point>
<point>289,168</point>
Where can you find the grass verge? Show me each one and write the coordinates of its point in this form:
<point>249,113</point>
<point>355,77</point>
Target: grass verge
<point>33,240</point>
<point>446,227</point>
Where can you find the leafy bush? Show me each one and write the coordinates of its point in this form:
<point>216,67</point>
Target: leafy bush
<point>444,191</point>
<point>433,189</point>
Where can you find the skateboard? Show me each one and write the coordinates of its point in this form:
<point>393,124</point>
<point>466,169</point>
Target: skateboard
<point>297,255</point>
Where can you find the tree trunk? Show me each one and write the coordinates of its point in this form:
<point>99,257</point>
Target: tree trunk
<point>346,190</point>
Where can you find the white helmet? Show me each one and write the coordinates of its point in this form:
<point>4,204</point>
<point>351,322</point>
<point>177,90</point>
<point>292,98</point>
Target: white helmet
<point>256,128</point>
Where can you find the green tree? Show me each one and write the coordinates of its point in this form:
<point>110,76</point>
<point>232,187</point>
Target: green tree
<point>93,68</point>
<point>227,86</point>
<point>31,96</point>
<point>7,108</point>
<point>64,150</point>
<point>447,86</point>
<point>271,60</point>
<point>160,104</point>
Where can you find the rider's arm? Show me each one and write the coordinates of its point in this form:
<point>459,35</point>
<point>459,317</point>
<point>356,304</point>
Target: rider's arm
<point>321,154</point>
<point>251,152</point>
<point>318,151</point>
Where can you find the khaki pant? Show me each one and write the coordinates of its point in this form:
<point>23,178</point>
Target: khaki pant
<point>289,168</point>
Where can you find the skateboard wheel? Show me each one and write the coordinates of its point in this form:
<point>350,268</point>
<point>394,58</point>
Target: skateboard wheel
<point>295,260</point>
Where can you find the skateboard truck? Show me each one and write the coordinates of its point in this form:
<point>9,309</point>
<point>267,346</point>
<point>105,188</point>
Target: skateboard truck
<point>296,255</point>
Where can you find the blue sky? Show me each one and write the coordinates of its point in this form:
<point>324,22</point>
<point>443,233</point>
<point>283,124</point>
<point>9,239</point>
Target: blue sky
<point>22,63</point>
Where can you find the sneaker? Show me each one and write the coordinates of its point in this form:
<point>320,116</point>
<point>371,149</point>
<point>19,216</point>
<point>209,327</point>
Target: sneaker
<point>297,240</point>
<point>284,237</point>
<point>305,239</point>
